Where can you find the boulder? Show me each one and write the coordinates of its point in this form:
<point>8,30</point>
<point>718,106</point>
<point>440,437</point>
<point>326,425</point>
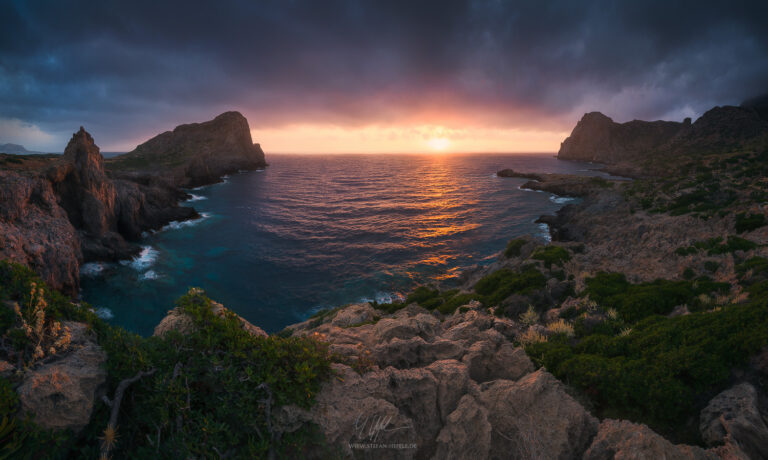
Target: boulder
<point>354,315</point>
<point>624,440</point>
<point>61,394</point>
<point>466,434</point>
<point>487,362</point>
<point>535,418</point>
<point>734,416</point>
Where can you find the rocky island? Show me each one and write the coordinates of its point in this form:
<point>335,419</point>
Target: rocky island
<point>640,331</point>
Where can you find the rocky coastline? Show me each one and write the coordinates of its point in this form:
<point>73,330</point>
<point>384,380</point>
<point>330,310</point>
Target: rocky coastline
<point>639,332</point>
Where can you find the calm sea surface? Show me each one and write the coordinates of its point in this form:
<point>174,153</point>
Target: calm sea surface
<point>314,231</point>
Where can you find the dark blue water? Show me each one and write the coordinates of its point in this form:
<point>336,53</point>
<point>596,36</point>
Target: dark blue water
<point>315,231</point>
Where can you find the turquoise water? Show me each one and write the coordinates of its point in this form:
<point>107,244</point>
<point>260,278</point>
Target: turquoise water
<point>316,231</point>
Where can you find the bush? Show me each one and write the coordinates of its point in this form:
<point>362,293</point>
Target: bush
<point>513,247</point>
<point>657,373</point>
<point>551,255</point>
<point>637,301</point>
<point>499,285</point>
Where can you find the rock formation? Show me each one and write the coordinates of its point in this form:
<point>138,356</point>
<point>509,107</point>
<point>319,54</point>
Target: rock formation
<point>61,394</point>
<point>197,153</point>
<point>73,212</point>
<point>598,138</point>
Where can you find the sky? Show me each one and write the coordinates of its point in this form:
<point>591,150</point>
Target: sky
<point>370,76</point>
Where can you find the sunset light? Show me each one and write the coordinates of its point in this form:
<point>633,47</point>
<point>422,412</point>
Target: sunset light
<point>439,144</point>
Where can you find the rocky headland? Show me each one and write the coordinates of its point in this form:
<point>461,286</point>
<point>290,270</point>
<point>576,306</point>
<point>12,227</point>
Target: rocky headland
<point>194,154</point>
<point>60,211</point>
<point>639,332</point>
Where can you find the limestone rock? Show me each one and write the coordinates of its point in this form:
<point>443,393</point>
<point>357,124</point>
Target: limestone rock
<point>466,434</point>
<point>354,315</point>
<point>61,394</point>
<point>535,418</point>
<point>623,440</point>
<point>488,362</point>
<point>733,416</point>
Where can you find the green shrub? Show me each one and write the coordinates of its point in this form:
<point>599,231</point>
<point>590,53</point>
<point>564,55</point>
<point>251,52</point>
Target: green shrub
<point>551,255</point>
<point>688,273</point>
<point>658,373</point>
<point>711,266</point>
<point>513,247</point>
<point>502,283</point>
<point>445,302</point>
<point>637,301</point>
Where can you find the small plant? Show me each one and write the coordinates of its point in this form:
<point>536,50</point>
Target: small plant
<point>561,327</point>
<point>612,314</point>
<point>38,336</point>
<point>531,337</point>
<point>625,332</point>
<point>748,222</point>
<point>530,317</point>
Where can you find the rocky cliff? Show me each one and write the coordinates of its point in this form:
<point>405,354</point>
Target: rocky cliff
<point>598,138</point>
<point>197,153</point>
<point>69,212</point>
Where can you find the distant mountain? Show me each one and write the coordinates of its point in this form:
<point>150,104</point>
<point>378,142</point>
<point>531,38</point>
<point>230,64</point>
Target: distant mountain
<point>16,149</point>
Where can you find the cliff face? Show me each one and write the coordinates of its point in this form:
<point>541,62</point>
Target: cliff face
<point>598,138</point>
<point>197,153</point>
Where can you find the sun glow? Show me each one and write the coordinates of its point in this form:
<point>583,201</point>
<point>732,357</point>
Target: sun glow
<point>439,144</point>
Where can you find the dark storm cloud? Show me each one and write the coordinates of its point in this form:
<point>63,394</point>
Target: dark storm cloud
<point>129,69</point>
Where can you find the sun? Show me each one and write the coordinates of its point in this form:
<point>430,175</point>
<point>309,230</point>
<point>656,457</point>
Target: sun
<point>439,143</point>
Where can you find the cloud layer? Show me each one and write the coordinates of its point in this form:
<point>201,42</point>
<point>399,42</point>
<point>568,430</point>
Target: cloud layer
<point>127,70</point>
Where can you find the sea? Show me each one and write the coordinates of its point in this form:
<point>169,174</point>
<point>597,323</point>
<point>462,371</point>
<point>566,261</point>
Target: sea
<point>317,231</point>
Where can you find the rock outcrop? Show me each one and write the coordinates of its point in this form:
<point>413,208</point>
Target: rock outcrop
<point>734,417</point>
<point>196,154</point>
<point>177,320</point>
<point>61,394</point>
<point>598,138</point>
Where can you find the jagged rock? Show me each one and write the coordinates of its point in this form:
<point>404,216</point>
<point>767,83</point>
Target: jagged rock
<point>354,315</point>
<point>83,188</point>
<point>452,382</point>
<point>6,367</point>
<point>61,394</point>
<point>197,153</point>
<point>466,434</point>
<point>177,320</point>
<point>413,352</point>
<point>535,418</point>
<point>733,416</point>
<point>487,362</point>
<point>623,440</point>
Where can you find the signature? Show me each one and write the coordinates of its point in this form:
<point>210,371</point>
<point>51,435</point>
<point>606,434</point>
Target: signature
<point>371,426</point>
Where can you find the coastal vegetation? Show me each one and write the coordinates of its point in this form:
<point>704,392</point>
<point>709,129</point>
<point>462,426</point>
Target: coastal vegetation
<point>214,386</point>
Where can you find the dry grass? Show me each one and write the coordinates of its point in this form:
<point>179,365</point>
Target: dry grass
<point>561,327</point>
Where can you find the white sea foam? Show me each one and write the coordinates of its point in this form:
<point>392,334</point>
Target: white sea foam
<point>384,297</point>
<point>545,232</point>
<point>104,313</point>
<point>175,225</point>
<point>144,260</point>
<point>149,275</point>
<point>196,197</point>
<point>92,269</point>
<point>560,199</point>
